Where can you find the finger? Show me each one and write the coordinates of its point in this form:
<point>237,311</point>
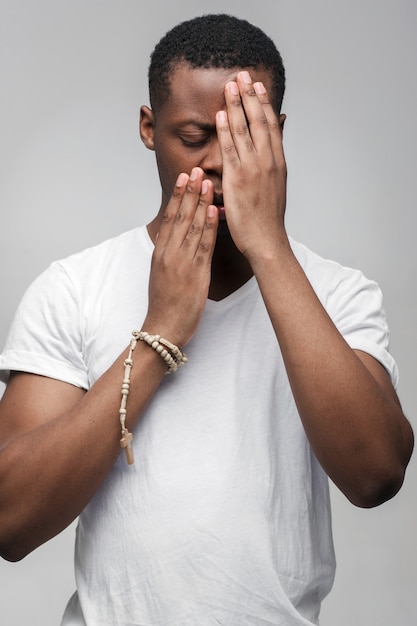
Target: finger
<point>198,222</point>
<point>188,209</point>
<point>171,209</point>
<point>275,124</point>
<point>260,121</point>
<point>238,122</point>
<point>181,208</point>
<point>204,252</point>
<point>228,149</point>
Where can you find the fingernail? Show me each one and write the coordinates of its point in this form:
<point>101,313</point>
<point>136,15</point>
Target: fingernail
<point>221,116</point>
<point>245,76</point>
<point>260,88</point>
<point>181,180</point>
<point>204,186</point>
<point>233,88</point>
<point>194,173</point>
<point>211,211</point>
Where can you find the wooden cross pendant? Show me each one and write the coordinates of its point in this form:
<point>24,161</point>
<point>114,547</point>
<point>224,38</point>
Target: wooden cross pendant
<point>126,443</point>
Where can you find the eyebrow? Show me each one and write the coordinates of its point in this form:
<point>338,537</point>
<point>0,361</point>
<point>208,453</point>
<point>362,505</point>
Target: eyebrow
<point>197,125</point>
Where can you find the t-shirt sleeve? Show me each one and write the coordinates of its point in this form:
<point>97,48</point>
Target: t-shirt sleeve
<point>354,303</point>
<point>46,334</point>
<point>356,307</point>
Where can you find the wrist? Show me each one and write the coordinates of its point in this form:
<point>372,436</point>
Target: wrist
<point>169,352</point>
<point>153,326</point>
<point>271,249</point>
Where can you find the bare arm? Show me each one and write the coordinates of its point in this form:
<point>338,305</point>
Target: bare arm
<point>348,407</point>
<point>58,442</point>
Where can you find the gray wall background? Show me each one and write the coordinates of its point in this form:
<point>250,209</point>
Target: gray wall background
<point>73,172</point>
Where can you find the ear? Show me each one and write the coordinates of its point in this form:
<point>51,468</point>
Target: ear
<point>282,119</point>
<point>147,127</point>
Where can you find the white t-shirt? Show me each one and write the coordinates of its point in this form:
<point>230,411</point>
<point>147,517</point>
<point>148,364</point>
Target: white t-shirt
<point>224,518</point>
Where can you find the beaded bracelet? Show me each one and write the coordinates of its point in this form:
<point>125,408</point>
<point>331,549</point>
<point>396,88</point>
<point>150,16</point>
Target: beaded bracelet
<point>174,359</point>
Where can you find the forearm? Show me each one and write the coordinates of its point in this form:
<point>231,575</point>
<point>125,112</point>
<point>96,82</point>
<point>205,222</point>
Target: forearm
<point>346,402</point>
<point>59,444</point>
<point>49,474</point>
<point>352,419</point>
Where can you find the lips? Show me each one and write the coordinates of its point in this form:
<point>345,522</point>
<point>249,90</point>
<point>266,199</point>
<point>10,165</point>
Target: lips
<point>218,202</point>
<point>221,211</point>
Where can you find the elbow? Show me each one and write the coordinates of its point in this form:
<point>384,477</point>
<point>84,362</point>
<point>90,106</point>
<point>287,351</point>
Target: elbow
<point>376,490</point>
<point>11,555</point>
<point>15,544</point>
<point>15,550</point>
<point>384,481</point>
<point>12,550</point>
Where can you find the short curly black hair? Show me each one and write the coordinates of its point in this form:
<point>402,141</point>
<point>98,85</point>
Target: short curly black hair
<point>214,40</point>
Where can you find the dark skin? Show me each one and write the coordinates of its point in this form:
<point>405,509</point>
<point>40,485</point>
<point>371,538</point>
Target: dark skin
<point>347,404</point>
<point>183,139</point>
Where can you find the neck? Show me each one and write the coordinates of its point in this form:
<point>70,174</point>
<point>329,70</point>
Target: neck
<point>229,271</point>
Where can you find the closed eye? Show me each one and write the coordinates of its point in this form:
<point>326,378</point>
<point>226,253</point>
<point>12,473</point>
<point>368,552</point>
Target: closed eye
<point>194,142</point>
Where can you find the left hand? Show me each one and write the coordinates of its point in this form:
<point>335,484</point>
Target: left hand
<point>254,169</point>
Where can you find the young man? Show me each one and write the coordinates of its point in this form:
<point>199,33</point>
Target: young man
<point>224,516</point>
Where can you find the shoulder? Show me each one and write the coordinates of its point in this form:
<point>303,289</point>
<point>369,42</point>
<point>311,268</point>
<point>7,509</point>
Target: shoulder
<point>113,251</point>
<point>107,262</point>
<point>330,279</point>
<point>79,281</point>
<point>354,303</point>
<point>316,264</point>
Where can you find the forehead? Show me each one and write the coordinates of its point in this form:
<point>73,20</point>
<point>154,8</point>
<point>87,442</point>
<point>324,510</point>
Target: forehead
<point>201,90</point>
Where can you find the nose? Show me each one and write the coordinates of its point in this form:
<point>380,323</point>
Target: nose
<point>212,161</point>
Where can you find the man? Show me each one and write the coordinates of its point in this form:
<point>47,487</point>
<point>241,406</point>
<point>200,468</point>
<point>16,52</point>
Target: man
<point>224,516</point>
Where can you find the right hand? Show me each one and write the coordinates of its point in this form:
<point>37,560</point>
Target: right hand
<point>181,263</point>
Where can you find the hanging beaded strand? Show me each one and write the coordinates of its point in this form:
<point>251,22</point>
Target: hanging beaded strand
<point>127,437</point>
<point>172,356</point>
